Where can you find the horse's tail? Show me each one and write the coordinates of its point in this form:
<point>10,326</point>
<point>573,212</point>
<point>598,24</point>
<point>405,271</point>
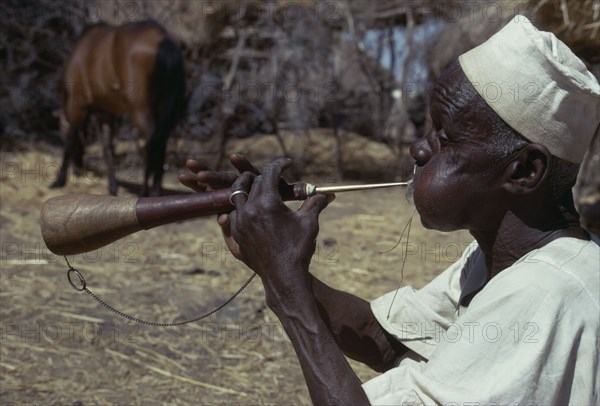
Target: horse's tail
<point>167,86</point>
<point>167,96</point>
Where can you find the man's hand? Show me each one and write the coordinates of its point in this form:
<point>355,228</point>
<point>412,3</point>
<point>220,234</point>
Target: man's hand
<point>278,243</point>
<point>274,240</point>
<point>204,179</point>
<point>232,245</point>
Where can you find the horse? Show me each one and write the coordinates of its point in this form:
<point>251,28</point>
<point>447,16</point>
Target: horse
<point>135,68</point>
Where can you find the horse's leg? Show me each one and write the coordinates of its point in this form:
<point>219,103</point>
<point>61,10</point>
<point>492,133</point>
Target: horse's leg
<point>73,145</point>
<point>83,138</point>
<point>109,155</point>
<point>154,155</point>
<point>70,147</point>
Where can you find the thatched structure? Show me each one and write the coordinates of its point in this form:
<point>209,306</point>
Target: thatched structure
<point>257,66</point>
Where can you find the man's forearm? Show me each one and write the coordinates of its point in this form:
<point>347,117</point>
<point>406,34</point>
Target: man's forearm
<point>329,376</point>
<point>354,327</point>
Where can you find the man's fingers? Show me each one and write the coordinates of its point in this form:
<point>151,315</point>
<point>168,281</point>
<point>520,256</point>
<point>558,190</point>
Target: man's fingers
<point>315,205</point>
<point>216,180</point>
<point>242,164</point>
<point>272,173</point>
<point>189,180</point>
<point>223,221</point>
<point>241,189</point>
<point>196,166</point>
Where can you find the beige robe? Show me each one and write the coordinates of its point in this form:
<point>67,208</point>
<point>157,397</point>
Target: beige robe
<point>529,336</point>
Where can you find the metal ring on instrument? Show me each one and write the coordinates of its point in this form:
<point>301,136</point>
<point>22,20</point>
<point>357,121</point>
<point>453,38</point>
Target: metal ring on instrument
<point>81,279</point>
<point>237,192</point>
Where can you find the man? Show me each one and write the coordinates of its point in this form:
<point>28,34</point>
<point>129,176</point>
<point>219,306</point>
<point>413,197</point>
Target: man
<point>516,319</point>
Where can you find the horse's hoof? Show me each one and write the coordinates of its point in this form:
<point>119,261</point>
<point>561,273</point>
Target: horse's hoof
<point>57,184</point>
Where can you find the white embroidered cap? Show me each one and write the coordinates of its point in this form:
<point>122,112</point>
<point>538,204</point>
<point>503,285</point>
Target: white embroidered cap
<point>535,83</point>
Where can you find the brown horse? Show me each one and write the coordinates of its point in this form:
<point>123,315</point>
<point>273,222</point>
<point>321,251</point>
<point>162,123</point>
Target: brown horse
<point>134,68</point>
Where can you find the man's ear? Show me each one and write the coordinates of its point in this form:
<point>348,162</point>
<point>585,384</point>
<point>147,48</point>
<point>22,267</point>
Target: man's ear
<point>527,170</point>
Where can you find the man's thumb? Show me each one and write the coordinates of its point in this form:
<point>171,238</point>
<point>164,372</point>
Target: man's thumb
<point>315,205</point>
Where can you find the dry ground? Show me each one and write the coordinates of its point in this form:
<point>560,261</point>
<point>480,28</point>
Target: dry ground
<point>59,346</point>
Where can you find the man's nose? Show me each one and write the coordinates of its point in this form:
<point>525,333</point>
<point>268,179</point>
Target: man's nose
<point>420,150</point>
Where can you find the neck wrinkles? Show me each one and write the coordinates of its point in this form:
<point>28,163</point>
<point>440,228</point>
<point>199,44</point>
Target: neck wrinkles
<point>515,238</point>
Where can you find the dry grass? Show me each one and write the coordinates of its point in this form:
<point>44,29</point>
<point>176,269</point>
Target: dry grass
<point>60,346</point>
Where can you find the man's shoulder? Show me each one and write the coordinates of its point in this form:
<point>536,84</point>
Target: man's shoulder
<point>567,252</point>
<point>576,259</point>
<point>567,268</point>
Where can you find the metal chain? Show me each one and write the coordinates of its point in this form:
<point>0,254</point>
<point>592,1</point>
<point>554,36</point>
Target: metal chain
<point>83,288</point>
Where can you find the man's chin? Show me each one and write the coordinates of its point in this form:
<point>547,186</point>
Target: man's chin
<point>437,225</point>
<point>427,224</point>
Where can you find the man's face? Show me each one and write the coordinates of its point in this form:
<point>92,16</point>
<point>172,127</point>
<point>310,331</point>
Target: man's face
<point>456,182</point>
